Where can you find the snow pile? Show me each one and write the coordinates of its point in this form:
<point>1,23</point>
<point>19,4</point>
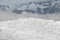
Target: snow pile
<point>30,29</point>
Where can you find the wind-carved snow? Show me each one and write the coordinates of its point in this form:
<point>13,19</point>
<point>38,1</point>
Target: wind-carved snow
<point>30,29</point>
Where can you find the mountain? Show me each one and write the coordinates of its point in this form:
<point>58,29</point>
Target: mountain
<point>40,7</point>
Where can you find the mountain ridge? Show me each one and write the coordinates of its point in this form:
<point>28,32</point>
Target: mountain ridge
<point>35,7</point>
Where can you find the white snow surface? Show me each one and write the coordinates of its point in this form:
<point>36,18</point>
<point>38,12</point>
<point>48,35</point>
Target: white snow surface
<point>30,29</point>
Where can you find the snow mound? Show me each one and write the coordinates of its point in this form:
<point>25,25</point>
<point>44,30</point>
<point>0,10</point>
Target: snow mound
<point>32,29</point>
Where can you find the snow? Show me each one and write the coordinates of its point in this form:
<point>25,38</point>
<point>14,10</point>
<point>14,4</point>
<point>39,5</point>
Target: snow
<point>32,7</point>
<point>28,26</point>
<point>13,3</point>
<point>23,7</point>
<point>30,29</point>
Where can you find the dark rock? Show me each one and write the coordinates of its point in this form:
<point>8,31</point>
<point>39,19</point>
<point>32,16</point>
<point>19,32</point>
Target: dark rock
<point>17,11</point>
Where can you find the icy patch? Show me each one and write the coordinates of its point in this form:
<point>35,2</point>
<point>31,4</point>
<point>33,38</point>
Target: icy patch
<point>31,29</point>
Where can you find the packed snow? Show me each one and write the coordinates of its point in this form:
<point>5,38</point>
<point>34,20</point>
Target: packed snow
<point>30,29</point>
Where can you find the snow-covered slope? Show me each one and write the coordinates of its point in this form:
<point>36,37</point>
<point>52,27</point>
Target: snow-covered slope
<point>30,29</point>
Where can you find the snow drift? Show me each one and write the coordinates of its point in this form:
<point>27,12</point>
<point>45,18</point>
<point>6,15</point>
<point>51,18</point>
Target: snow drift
<point>30,29</point>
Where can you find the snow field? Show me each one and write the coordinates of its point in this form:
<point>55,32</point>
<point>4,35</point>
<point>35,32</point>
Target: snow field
<point>30,29</point>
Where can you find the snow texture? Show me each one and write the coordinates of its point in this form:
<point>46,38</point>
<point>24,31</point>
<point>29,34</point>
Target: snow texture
<point>30,29</point>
